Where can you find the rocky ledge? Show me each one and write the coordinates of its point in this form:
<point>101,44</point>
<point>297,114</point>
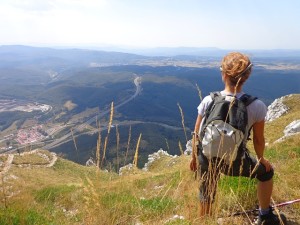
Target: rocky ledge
<point>277,109</point>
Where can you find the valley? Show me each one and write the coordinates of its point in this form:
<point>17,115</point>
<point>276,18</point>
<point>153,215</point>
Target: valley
<point>77,128</point>
<point>39,109</point>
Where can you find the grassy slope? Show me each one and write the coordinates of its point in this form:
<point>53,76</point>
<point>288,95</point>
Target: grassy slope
<point>68,193</point>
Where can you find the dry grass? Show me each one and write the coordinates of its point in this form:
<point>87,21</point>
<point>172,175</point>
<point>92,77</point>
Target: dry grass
<point>151,197</point>
<point>118,143</point>
<point>182,121</point>
<point>74,141</point>
<point>98,147</point>
<point>29,159</point>
<point>136,155</point>
<point>108,132</point>
<point>180,148</point>
<point>167,144</point>
<point>199,92</point>
<point>128,145</point>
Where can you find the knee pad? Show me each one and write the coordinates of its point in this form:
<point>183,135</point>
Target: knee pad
<point>265,176</point>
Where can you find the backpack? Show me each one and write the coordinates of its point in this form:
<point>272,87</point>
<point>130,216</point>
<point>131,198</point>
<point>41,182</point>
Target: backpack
<point>224,125</point>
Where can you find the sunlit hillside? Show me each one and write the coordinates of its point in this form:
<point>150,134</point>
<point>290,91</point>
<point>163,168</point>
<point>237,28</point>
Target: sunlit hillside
<point>42,188</point>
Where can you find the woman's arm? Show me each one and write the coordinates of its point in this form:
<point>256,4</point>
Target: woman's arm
<point>197,124</point>
<point>259,143</point>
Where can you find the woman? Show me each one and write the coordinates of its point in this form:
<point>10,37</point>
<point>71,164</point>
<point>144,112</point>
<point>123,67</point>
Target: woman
<point>235,70</point>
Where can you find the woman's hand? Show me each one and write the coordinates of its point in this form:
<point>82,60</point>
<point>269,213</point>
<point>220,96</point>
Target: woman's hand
<point>266,163</point>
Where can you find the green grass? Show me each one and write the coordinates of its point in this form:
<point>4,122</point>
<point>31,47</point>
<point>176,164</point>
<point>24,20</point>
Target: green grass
<point>156,206</point>
<point>236,191</point>
<point>51,194</point>
<point>29,159</point>
<point>112,199</point>
<point>24,217</point>
<point>276,154</point>
<point>141,183</point>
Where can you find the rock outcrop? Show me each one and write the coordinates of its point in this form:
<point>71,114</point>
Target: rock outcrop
<point>189,148</point>
<point>291,129</point>
<point>127,169</point>
<point>130,168</point>
<point>155,156</point>
<point>90,162</point>
<point>277,109</point>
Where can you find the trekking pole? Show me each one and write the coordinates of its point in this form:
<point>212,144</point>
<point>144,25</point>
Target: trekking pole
<point>273,207</point>
<point>286,203</point>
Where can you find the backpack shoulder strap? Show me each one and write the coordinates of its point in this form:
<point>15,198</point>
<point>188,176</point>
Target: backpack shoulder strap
<point>215,94</point>
<point>247,99</point>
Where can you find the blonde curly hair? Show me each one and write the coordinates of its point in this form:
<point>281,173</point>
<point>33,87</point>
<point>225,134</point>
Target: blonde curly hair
<point>237,66</point>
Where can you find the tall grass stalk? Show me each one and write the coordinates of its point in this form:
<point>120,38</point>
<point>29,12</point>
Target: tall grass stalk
<point>108,132</point>
<point>128,145</point>
<point>199,92</point>
<point>277,211</point>
<point>135,159</point>
<point>91,200</point>
<point>167,143</point>
<point>98,144</point>
<point>166,192</point>
<point>118,143</point>
<point>75,144</point>
<point>180,147</point>
<point>240,205</point>
<point>182,121</point>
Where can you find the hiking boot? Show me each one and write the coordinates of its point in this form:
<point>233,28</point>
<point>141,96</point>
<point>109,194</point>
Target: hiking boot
<point>270,219</point>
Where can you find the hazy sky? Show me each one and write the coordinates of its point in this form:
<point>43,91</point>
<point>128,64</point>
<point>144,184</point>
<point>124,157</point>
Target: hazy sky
<point>227,24</point>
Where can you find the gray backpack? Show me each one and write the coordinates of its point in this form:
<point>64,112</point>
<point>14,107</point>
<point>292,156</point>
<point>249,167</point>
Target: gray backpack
<point>224,125</point>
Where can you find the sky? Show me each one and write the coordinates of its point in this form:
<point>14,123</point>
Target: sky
<point>225,24</point>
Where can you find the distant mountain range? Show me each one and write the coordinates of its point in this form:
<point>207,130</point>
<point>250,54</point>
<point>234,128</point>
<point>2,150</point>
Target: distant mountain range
<point>195,51</point>
<point>70,57</point>
<point>211,52</point>
<point>115,53</point>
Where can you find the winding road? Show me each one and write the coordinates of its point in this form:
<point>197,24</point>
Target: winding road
<point>68,136</point>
